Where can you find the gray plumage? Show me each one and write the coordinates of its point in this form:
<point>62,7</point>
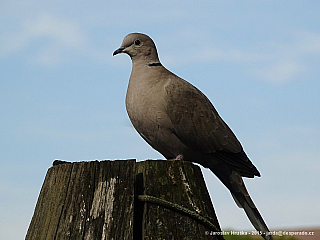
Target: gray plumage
<point>180,122</point>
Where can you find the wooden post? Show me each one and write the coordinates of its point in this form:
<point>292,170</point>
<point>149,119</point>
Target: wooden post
<point>124,200</point>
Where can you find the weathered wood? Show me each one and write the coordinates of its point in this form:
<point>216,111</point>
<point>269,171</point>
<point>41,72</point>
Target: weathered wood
<point>177,182</point>
<point>99,200</point>
<point>85,201</point>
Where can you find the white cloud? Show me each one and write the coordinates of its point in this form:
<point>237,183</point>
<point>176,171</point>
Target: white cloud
<point>57,40</point>
<point>66,33</point>
<point>291,137</point>
<point>279,71</point>
<point>273,61</point>
<point>287,61</point>
<point>52,38</point>
<point>309,42</point>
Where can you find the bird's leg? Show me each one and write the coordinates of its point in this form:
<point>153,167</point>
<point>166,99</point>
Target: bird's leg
<point>179,157</point>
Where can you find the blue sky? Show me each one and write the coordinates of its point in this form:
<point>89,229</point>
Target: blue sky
<point>62,94</point>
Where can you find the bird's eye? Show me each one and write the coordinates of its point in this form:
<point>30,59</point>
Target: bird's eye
<point>137,42</point>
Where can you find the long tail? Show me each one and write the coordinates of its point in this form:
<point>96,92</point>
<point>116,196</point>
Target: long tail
<point>233,181</point>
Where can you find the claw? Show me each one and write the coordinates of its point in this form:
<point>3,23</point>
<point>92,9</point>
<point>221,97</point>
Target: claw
<point>179,157</point>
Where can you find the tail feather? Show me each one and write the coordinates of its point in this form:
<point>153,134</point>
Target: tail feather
<point>257,221</point>
<point>233,181</point>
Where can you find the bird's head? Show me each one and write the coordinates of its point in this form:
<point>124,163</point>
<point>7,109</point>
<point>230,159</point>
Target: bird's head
<point>139,47</point>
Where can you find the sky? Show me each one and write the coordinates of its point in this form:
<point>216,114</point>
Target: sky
<point>62,94</point>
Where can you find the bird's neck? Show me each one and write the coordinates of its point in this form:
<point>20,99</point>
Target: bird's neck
<point>145,62</point>
<point>154,64</point>
<point>148,57</point>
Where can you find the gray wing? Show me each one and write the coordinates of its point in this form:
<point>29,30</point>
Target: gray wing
<point>199,126</point>
<point>196,121</point>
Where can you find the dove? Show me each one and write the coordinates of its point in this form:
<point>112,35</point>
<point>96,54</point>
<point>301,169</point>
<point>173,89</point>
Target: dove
<point>179,121</point>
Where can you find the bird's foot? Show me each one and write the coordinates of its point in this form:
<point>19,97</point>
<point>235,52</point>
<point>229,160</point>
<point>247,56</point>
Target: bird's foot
<point>179,157</point>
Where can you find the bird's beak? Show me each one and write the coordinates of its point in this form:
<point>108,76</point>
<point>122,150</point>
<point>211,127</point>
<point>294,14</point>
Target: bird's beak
<point>119,50</point>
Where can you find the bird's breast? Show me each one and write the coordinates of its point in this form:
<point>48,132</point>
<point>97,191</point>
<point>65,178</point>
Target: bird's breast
<point>145,108</point>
